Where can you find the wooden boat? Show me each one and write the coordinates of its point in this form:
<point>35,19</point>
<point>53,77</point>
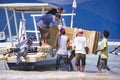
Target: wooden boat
<point>43,55</point>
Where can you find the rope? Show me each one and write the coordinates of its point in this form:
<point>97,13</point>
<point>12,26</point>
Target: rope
<point>7,24</point>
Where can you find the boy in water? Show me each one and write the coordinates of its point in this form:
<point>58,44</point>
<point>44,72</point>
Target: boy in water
<point>62,44</point>
<point>80,45</point>
<point>103,57</point>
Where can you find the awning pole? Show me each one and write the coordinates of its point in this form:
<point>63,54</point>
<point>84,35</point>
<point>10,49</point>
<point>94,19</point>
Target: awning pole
<point>23,18</point>
<point>74,5</point>
<point>9,29</point>
<point>34,21</point>
<point>72,19</point>
<point>43,10</point>
<point>16,25</point>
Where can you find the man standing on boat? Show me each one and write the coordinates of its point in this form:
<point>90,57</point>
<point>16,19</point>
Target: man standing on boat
<point>47,21</point>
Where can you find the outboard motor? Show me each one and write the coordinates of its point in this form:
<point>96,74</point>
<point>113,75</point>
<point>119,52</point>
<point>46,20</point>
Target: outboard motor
<point>24,47</point>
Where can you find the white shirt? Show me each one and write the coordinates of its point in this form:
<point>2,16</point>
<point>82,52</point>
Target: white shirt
<point>80,43</point>
<point>62,45</point>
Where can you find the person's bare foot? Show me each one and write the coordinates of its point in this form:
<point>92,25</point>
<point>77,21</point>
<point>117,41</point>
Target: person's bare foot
<point>45,55</point>
<point>99,71</point>
<point>43,44</point>
<point>47,45</point>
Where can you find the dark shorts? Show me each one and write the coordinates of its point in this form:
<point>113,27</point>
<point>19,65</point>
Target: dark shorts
<point>102,63</point>
<point>81,57</point>
<point>45,34</point>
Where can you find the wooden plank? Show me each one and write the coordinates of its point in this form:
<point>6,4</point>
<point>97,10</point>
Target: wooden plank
<point>54,32</point>
<point>92,38</point>
<point>97,35</point>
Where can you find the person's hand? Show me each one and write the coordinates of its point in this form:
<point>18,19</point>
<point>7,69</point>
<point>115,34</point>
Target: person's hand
<point>97,51</point>
<point>54,46</point>
<point>87,50</point>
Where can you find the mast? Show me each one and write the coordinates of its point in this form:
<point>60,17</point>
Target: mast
<point>73,9</point>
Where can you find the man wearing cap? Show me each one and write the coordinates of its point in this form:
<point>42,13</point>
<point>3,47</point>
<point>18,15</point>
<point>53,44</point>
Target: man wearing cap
<point>62,44</point>
<point>44,23</point>
<point>80,45</point>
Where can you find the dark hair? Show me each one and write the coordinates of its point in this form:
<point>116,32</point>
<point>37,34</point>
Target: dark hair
<point>106,33</point>
<point>60,8</point>
<point>58,15</point>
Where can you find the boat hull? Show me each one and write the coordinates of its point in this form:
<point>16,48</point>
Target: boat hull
<point>35,66</point>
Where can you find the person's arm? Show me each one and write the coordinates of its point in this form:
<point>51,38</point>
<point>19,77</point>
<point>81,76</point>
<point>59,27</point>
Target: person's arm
<point>56,43</point>
<point>52,25</point>
<point>101,49</point>
<point>52,22</point>
<point>68,44</point>
<point>87,50</point>
<point>86,46</point>
<point>74,43</point>
<point>104,46</point>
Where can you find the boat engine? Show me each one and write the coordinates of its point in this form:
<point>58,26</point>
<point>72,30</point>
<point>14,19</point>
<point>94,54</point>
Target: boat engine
<point>24,49</point>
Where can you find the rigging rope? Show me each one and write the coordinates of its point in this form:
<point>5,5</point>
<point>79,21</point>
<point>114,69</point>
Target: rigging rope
<point>6,24</point>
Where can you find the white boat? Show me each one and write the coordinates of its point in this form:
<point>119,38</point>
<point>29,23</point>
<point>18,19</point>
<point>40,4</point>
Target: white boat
<point>43,55</point>
<point>2,36</point>
<point>35,59</point>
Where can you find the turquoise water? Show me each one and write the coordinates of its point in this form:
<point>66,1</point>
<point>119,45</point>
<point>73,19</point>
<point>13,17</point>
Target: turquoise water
<point>91,62</point>
<point>89,74</point>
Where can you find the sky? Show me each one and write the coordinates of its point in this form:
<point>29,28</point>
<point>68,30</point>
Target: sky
<point>95,15</point>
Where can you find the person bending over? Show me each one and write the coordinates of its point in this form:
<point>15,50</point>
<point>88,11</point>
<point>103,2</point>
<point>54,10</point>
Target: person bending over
<point>44,24</point>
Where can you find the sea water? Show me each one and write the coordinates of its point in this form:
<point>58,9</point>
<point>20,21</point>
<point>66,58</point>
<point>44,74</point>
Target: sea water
<point>89,74</point>
<point>91,62</point>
